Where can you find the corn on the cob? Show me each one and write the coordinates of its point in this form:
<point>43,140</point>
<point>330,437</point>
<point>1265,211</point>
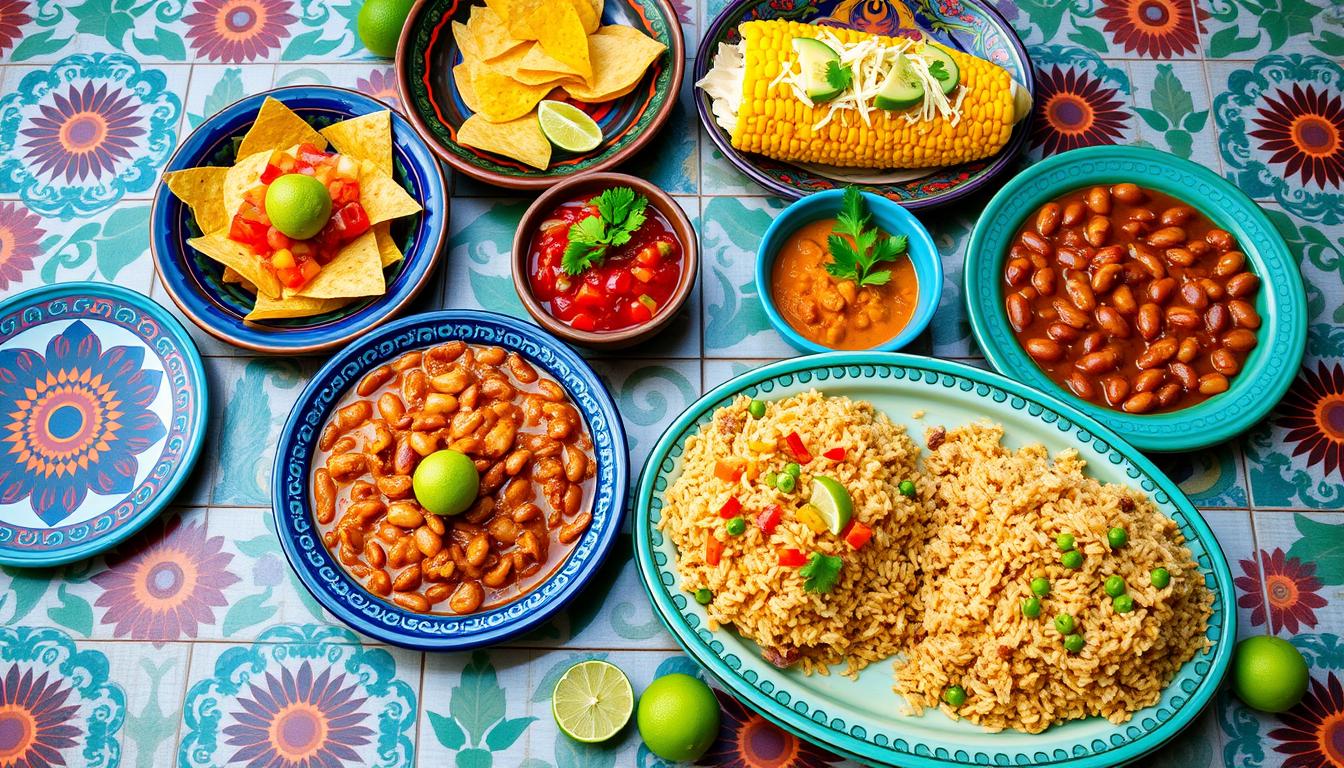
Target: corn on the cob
<point>772,121</point>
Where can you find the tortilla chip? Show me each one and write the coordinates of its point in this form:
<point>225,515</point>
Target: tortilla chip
<point>466,41</point>
<point>356,271</point>
<point>277,127</point>
<point>561,34</point>
<point>619,63</point>
<point>244,175</point>
<point>233,255</point>
<point>382,197</point>
<point>367,137</point>
<point>202,190</point>
<point>490,35</point>
<point>462,78</point>
<point>388,252</point>
<point>514,14</point>
<point>500,97</point>
<point>536,67</point>
<point>520,139</point>
<point>231,276</point>
<point>267,308</point>
<point>590,14</point>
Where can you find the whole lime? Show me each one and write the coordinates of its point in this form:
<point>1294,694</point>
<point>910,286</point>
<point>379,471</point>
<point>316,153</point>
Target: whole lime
<point>380,22</point>
<point>446,482</point>
<point>298,205</point>
<point>1268,673</point>
<point>678,717</point>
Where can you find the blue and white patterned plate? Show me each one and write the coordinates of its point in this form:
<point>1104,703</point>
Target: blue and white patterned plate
<point>103,407</point>
<point>347,598</point>
<point>862,719</point>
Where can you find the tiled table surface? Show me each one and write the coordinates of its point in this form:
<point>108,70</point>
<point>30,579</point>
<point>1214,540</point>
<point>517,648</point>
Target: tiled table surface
<point>194,645</point>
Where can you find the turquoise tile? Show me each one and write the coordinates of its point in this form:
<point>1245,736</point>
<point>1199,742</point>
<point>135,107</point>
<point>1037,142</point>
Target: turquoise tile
<point>672,160</point>
<point>735,323</point>
<point>216,86</point>
<point>1248,29</point>
<point>106,247</point>
<point>1213,477</point>
<point>649,395</point>
<point>479,252</point>
<point>1301,560</point>
<point>1117,29</point>
<point>253,405</point>
<point>1081,100</point>
<point>1173,106</point>
<point>1236,538</point>
<point>154,681</point>
<point>949,334</point>
<point>44,34</point>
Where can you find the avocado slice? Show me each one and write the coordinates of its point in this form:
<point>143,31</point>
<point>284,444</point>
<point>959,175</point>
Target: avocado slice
<point>902,89</point>
<point>815,57</point>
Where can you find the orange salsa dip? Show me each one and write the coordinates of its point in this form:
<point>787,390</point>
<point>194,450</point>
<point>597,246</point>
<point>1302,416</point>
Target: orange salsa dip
<point>833,312</point>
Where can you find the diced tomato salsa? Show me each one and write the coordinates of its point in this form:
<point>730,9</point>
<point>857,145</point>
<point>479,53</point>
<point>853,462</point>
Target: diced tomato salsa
<point>297,262</point>
<point>627,288</point>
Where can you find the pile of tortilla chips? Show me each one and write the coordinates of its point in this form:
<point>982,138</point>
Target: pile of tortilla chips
<point>215,194</point>
<point>515,52</point>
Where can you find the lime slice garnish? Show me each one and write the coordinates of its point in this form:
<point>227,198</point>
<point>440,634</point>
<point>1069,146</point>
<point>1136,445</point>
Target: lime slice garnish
<point>568,127</point>
<point>592,701</point>
<point>832,502</point>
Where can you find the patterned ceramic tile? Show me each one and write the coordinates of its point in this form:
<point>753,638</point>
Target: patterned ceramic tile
<point>154,679</point>
<point>1081,101</point>
<point>735,324</point>
<point>672,162</point>
<point>1118,29</point>
<point>106,247</point>
<point>35,33</point>
<point>1249,29</point>
<point>1301,561</point>
<point>479,246</point>
<point>649,395</point>
<point>216,87</point>
<point>1236,538</point>
<point>1214,477</point>
<point>374,78</point>
<point>1172,103</point>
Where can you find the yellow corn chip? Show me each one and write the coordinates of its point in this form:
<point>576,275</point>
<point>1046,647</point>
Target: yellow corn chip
<point>367,137</point>
<point>233,255</point>
<point>244,175</point>
<point>560,32</point>
<point>590,14</point>
<point>277,127</point>
<point>230,276</point>
<point>490,34</point>
<point>520,139</point>
<point>388,252</point>
<point>356,271</point>
<point>619,63</point>
<point>536,67</point>
<point>500,97</point>
<point>462,77</point>
<point>382,197</point>
<point>466,41</point>
<point>267,308</point>
<point>202,189</point>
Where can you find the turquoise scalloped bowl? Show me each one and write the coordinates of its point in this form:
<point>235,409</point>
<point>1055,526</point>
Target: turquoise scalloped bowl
<point>1281,301</point>
<point>861,719</point>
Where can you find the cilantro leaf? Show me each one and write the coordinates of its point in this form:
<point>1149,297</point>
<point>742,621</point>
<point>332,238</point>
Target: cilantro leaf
<point>620,212</point>
<point>857,248</point>
<point>938,71</point>
<point>837,76</point>
<point>821,572</point>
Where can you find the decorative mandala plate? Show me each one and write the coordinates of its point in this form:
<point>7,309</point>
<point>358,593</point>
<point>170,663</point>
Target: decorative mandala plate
<point>861,719</point>
<point>103,403</point>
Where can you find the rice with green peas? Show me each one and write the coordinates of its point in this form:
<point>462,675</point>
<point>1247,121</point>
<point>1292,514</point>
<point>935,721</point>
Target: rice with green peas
<point>996,519</point>
<point>870,612</point>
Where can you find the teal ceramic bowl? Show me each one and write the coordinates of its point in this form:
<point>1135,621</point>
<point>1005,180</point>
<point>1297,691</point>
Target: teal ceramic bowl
<point>1281,301</point>
<point>893,219</point>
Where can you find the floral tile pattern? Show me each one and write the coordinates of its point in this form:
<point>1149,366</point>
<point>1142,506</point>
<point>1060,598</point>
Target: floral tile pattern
<point>194,644</point>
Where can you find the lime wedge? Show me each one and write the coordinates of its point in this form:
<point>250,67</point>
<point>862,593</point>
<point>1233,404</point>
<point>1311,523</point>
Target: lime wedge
<point>592,701</point>
<point>832,502</point>
<point>567,126</point>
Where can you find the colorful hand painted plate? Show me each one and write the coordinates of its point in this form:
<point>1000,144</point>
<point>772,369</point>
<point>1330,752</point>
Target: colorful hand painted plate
<point>346,598</point>
<point>428,53</point>
<point>861,719</point>
<point>195,283</point>
<point>1281,301</point>
<point>103,403</point>
<point>972,26</point>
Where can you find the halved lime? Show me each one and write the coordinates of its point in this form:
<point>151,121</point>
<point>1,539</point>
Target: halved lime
<point>902,89</point>
<point>815,57</point>
<point>832,502</point>
<point>592,701</point>
<point>567,126</point>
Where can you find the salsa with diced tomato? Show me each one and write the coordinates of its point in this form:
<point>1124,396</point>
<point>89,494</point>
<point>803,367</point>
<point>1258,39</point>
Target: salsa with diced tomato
<point>296,262</point>
<point>627,288</point>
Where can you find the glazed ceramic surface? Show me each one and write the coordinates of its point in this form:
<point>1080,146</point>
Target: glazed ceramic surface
<point>1281,301</point>
<point>863,718</point>
<point>103,406</point>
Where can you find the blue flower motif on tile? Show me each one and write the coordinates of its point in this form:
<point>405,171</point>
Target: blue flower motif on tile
<point>76,138</point>
<point>57,707</point>
<point>75,418</point>
<point>301,695</point>
<point>1281,131</point>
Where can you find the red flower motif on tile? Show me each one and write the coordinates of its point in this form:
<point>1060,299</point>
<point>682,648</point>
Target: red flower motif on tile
<point>1074,109</point>
<point>1158,29</point>
<point>238,30</point>
<point>1303,127</point>
<point>1312,735</point>
<point>1313,414</point>
<point>747,740</point>
<point>1290,585</point>
<point>35,723</point>
<point>13,15</point>
<point>20,233</point>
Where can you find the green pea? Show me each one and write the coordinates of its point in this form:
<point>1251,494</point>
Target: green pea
<point>1073,643</point>
<point>793,469</point>
<point>1040,586</point>
<point>703,596</point>
<point>1160,578</point>
<point>1064,623</point>
<point>785,482</point>
<point>736,526</point>
<point>954,695</point>
<point>1123,603</point>
<point>756,408</point>
<point>1064,541</point>
<point>907,488</point>
<point>1115,585</point>
<point>1072,559</point>
<point>770,478</point>
<point>1031,607</point>
<point>1117,537</point>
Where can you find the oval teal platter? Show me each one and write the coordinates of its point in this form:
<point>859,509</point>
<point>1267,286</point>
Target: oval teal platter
<point>1281,301</point>
<point>862,719</point>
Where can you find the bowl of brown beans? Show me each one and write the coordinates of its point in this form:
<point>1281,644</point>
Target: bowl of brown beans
<point>1142,288</point>
<point>546,442</point>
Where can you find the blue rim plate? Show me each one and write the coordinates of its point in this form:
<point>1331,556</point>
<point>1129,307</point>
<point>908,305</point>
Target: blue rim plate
<point>113,430</point>
<point>346,598</point>
<point>1282,302</point>
<point>194,282</point>
<point>972,26</point>
<point>860,719</point>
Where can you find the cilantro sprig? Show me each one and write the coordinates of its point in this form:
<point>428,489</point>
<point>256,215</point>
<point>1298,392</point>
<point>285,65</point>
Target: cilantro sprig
<point>837,76</point>
<point>821,572</point>
<point>620,213</point>
<point>858,260</point>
